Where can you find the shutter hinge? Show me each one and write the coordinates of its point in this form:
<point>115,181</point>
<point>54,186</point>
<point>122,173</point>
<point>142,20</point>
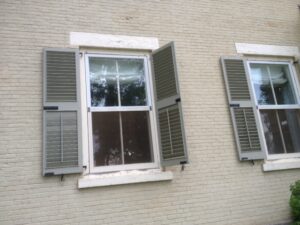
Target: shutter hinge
<point>50,107</point>
<point>177,100</point>
<point>49,174</point>
<point>234,105</point>
<point>89,109</point>
<point>182,163</point>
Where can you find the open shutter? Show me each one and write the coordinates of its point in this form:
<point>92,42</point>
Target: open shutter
<point>169,113</point>
<point>241,109</point>
<point>61,116</point>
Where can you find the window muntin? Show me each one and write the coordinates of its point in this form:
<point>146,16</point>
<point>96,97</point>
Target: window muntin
<point>275,92</point>
<point>121,122</point>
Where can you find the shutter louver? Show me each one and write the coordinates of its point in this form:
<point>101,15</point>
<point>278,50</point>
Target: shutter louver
<point>169,112</point>
<point>61,76</point>
<point>62,141</point>
<point>241,109</point>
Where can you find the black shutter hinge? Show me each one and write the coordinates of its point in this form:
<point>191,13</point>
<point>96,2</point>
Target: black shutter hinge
<point>177,100</point>
<point>48,174</point>
<point>234,105</point>
<point>50,107</point>
<point>182,163</point>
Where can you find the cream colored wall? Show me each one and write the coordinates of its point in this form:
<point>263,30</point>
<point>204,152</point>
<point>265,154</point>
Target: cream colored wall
<point>215,188</point>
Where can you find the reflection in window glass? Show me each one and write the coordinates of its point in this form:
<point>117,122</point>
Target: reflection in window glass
<point>272,83</point>
<point>290,126</point>
<point>132,82</point>
<point>106,138</point>
<point>281,79</point>
<point>110,148</point>
<point>103,82</point>
<point>281,129</point>
<point>110,77</point>
<point>136,137</point>
<point>272,131</point>
<point>261,83</point>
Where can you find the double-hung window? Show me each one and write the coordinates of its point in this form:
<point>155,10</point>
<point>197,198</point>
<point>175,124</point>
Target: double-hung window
<point>121,123</point>
<point>276,96</point>
<point>265,107</point>
<point>120,111</point>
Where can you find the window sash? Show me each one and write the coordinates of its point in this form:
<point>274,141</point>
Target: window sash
<point>294,84</point>
<point>113,56</point>
<point>114,168</point>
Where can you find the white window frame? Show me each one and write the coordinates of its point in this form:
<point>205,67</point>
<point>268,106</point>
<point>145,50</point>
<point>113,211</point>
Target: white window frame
<point>150,107</point>
<point>295,86</point>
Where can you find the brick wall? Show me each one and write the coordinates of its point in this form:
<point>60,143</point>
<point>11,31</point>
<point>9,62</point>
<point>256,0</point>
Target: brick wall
<point>215,187</point>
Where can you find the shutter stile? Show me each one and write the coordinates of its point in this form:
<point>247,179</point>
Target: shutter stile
<point>169,113</point>
<point>62,140</point>
<point>241,109</point>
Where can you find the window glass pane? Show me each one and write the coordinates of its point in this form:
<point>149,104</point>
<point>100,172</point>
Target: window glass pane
<point>103,81</point>
<point>106,138</point>
<point>261,82</point>
<point>280,87</point>
<point>136,137</point>
<point>290,126</point>
<point>271,131</point>
<point>132,82</point>
<point>281,79</point>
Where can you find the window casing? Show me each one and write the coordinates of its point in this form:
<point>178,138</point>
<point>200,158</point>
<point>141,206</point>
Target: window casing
<point>275,91</point>
<point>121,120</point>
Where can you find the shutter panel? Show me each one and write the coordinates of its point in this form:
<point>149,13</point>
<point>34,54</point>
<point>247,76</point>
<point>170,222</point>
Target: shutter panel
<point>242,109</point>
<point>61,116</point>
<point>169,113</point>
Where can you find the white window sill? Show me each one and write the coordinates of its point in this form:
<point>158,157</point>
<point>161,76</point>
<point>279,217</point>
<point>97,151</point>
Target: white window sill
<point>123,177</point>
<point>281,164</point>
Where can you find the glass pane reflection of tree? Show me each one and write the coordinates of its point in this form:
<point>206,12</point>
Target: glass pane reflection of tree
<point>106,74</point>
<point>108,142</point>
<point>136,137</point>
<point>103,82</point>
<point>281,129</point>
<point>132,82</point>
<point>106,138</point>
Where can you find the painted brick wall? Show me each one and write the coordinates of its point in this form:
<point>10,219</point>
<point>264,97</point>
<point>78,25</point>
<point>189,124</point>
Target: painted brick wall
<point>215,188</point>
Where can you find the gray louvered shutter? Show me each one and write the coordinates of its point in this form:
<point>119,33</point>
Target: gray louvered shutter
<point>61,116</point>
<point>242,109</point>
<point>169,113</point>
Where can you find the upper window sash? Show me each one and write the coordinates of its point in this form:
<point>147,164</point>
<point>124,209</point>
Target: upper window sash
<point>294,85</point>
<point>148,103</point>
